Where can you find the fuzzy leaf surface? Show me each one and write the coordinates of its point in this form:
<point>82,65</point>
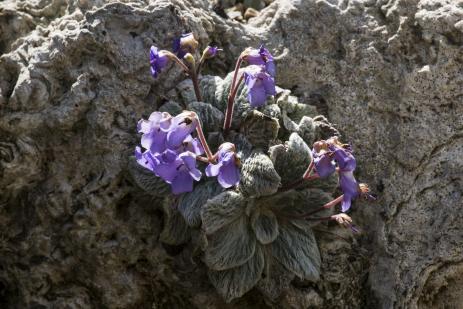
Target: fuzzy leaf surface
<point>235,282</point>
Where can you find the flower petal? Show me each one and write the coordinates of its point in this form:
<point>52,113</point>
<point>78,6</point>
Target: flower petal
<point>213,170</point>
<point>257,96</point>
<point>182,183</point>
<point>229,175</point>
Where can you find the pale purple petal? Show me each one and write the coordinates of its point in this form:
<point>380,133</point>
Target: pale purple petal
<point>155,141</point>
<point>346,203</point>
<point>144,126</point>
<point>141,159</point>
<point>189,160</point>
<point>269,85</point>
<point>182,183</point>
<point>229,175</point>
<point>167,171</point>
<point>324,165</point>
<point>212,170</point>
<point>257,96</point>
<point>344,158</point>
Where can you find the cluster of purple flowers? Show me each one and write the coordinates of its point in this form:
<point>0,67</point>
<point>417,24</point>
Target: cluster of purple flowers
<point>171,152</point>
<point>259,76</point>
<point>330,156</point>
<point>170,149</point>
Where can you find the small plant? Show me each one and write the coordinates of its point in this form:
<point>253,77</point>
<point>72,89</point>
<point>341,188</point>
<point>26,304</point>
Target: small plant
<point>260,198</point>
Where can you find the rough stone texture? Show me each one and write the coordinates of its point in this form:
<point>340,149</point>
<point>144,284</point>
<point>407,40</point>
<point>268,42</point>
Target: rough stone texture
<point>74,81</point>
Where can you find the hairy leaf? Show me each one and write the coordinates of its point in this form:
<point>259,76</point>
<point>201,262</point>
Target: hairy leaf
<point>211,118</point>
<point>190,203</point>
<point>294,203</point>
<point>146,179</point>
<point>291,161</point>
<point>231,246</point>
<point>277,279</point>
<point>175,230</point>
<point>296,248</point>
<point>259,129</point>
<point>235,282</point>
<point>265,225</point>
<point>258,176</point>
<point>222,210</point>
<point>173,108</point>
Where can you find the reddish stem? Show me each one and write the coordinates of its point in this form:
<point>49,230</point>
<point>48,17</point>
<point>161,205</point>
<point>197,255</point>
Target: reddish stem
<point>203,141</point>
<point>231,98</point>
<point>230,106</point>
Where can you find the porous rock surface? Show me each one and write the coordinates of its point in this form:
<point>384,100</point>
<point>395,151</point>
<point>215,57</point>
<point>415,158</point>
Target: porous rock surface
<point>75,232</point>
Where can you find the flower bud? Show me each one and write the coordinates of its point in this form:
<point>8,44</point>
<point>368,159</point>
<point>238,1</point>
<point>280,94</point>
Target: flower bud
<point>210,52</point>
<point>189,59</point>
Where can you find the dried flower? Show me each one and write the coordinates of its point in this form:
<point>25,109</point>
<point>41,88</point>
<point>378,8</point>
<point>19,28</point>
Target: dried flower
<point>342,219</point>
<point>186,43</point>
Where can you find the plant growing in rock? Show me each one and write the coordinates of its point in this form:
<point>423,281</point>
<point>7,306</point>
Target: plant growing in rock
<point>264,187</point>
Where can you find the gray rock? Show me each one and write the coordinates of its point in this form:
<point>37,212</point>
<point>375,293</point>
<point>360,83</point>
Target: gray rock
<point>75,232</point>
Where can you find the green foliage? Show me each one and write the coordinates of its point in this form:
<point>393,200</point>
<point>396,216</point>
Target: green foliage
<point>258,176</point>
<point>291,160</point>
<point>296,248</point>
<point>234,282</point>
<point>190,203</point>
<point>254,229</point>
<point>175,230</point>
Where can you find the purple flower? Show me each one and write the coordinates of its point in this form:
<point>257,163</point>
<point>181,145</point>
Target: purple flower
<point>192,145</point>
<point>347,164</point>
<point>158,60</point>
<point>210,52</point>
<point>181,126</point>
<point>145,158</point>
<point>324,164</point>
<point>179,170</point>
<point>261,56</point>
<point>154,131</point>
<point>260,85</point>
<point>227,167</point>
<point>186,43</point>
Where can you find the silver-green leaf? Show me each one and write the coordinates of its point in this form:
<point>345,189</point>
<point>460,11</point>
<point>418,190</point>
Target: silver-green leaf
<point>296,248</point>
<point>235,282</point>
<point>265,225</point>
<point>258,176</point>
<point>222,210</point>
<point>190,203</point>
<point>231,246</point>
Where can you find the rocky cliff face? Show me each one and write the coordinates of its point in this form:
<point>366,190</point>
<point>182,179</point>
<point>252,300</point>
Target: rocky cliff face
<point>77,233</point>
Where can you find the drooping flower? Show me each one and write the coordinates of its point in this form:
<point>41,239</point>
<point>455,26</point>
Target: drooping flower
<point>226,168</point>
<point>260,56</point>
<point>181,126</point>
<point>158,60</point>
<point>346,164</point>
<point>154,131</point>
<point>179,170</point>
<point>186,43</point>
<point>324,164</point>
<point>259,83</point>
